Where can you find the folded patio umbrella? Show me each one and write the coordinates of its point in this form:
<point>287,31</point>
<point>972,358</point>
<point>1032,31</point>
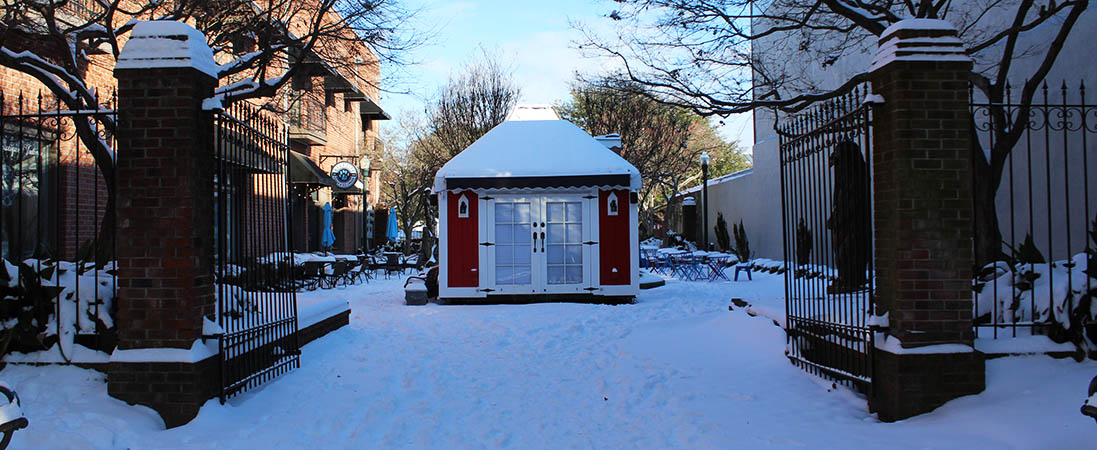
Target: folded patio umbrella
<point>393,231</point>
<point>328,239</point>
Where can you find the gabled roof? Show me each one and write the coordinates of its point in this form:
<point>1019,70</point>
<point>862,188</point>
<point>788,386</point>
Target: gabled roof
<point>534,154</point>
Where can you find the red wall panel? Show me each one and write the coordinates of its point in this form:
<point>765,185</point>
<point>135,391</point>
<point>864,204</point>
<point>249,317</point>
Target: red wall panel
<point>462,241</point>
<point>613,239</point>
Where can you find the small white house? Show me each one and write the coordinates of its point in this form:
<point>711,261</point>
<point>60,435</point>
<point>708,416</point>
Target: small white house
<point>537,210</point>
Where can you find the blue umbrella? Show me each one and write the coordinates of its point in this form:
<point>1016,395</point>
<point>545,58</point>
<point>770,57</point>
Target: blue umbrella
<point>329,236</point>
<point>392,233</point>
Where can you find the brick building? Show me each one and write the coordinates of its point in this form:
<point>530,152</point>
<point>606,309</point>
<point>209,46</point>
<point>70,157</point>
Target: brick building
<point>329,115</point>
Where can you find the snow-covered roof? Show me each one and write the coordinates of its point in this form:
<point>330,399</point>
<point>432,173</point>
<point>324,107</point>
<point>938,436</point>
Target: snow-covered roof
<point>165,43</point>
<point>538,149</point>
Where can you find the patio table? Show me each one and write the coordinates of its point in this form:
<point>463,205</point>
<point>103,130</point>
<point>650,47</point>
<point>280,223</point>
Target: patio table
<point>716,264</point>
<point>686,266</point>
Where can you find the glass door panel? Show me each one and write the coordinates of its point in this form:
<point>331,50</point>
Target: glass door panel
<point>564,253</point>
<point>513,219</point>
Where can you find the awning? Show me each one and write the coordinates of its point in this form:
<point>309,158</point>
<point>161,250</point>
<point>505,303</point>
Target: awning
<point>303,171</point>
<point>371,110</point>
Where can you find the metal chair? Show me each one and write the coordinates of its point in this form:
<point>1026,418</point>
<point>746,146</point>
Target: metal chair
<point>358,271</point>
<point>338,272</point>
<point>393,264</point>
<point>311,274</point>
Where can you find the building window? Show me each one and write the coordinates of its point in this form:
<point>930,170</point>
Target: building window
<point>27,202</point>
<point>463,207</point>
<point>611,204</point>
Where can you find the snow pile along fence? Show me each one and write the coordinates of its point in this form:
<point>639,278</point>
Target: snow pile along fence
<point>1035,231</point>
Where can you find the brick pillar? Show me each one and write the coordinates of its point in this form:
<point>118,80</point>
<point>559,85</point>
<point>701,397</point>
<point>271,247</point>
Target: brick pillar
<point>923,220</point>
<point>165,228</point>
<point>689,219</point>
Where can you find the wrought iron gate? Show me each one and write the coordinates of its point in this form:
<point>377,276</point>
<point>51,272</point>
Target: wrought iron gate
<point>826,213</point>
<point>256,298</point>
<point>57,282</point>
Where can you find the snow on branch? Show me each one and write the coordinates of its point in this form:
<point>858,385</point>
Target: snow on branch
<point>245,61</point>
<point>48,73</point>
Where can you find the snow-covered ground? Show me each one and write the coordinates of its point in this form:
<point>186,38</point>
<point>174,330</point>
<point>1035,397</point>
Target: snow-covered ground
<point>675,370</point>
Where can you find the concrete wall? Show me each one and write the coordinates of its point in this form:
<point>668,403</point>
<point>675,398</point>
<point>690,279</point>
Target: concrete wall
<point>753,196</point>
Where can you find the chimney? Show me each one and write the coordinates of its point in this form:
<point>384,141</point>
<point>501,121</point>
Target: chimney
<point>612,141</point>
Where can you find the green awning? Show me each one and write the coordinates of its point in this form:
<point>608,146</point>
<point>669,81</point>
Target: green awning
<point>303,171</point>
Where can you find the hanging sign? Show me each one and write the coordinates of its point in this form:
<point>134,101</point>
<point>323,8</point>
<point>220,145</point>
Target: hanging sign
<point>345,175</point>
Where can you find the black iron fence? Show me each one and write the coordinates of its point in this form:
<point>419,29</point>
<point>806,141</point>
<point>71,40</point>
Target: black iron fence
<point>57,282</point>
<point>1034,220</point>
<point>827,221</point>
<point>256,299</point>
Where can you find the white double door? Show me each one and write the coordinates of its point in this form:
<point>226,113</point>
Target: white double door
<point>541,243</point>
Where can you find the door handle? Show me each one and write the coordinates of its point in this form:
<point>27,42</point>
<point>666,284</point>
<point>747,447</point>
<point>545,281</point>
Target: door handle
<point>534,242</point>
<point>542,242</point>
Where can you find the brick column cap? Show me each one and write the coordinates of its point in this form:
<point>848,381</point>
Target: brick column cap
<point>919,40</point>
<point>155,44</point>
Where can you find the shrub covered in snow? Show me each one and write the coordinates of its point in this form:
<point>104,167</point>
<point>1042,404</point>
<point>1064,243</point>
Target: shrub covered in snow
<point>1056,298</point>
<point>1053,298</point>
<point>45,303</point>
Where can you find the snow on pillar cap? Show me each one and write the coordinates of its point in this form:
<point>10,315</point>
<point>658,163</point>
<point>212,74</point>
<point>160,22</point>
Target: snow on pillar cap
<point>164,43</point>
<point>919,40</point>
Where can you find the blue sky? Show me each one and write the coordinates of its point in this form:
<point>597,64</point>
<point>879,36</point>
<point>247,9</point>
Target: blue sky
<point>534,39</point>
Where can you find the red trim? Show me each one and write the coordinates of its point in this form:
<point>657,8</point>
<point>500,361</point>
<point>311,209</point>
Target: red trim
<point>463,241</point>
<point>613,239</point>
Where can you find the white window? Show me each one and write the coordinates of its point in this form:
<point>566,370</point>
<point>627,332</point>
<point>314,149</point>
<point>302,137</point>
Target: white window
<point>463,207</point>
<point>611,204</point>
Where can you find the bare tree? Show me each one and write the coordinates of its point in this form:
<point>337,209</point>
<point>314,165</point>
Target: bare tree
<point>660,140</point>
<point>262,44</point>
<point>698,54</point>
<point>471,104</point>
<point>405,188</point>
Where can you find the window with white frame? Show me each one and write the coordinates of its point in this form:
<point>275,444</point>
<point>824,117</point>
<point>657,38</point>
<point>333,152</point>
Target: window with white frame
<point>463,207</point>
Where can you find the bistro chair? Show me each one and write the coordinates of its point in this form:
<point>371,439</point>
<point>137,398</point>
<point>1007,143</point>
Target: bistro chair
<point>412,262</point>
<point>744,266</point>
<point>392,264</point>
<point>358,271</point>
<point>695,265</point>
<point>337,272</point>
<point>684,266</point>
<point>645,259</point>
<point>311,274</point>
<point>660,264</point>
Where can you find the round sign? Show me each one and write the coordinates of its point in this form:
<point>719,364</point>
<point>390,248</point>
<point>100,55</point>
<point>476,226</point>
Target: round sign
<point>344,174</point>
